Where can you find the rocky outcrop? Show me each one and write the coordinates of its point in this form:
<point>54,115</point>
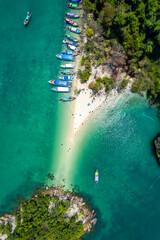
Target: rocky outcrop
<point>157,147</point>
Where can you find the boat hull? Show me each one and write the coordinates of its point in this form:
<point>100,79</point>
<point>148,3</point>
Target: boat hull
<point>65,57</point>
<point>75,30</point>
<point>69,66</point>
<point>61,89</point>
<point>67,73</point>
<point>69,99</point>
<point>28,18</point>
<point>60,83</point>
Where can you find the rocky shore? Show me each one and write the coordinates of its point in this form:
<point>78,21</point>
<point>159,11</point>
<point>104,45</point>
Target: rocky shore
<point>58,199</point>
<point>157,147</point>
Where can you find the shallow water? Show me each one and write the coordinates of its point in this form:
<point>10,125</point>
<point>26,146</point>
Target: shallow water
<point>118,142</point>
<point>29,110</point>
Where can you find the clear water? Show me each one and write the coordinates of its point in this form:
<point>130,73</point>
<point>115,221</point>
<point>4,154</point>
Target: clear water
<point>29,110</point>
<point>118,142</point>
<point>33,126</point>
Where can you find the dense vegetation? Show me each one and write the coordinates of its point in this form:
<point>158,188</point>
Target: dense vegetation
<point>36,221</point>
<point>136,25</point>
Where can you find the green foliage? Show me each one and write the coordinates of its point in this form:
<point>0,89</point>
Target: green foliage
<point>124,84</point>
<point>84,75</point>
<point>6,228</point>
<point>38,222</point>
<point>90,32</point>
<point>136,25</point>
<point>83,60</point>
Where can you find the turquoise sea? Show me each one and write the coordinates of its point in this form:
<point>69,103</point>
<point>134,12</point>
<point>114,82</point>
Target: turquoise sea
<point>117,140</point>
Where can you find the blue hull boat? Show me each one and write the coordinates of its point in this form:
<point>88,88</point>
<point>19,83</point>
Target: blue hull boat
<point>68,72</point>
<point>67,99</point>
<point>68,52</point>
<point>69,42</point>
<point>65,57</point>
<point>66,78</point>
<point>28,17</point>
<point>75,30</point>
<point>75,1</point>
<point>61,89</point>
<point>72,38</point>
<point>73,15</point>
<point>60,83</point>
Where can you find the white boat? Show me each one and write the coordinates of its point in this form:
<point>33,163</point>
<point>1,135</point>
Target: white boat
<point>67,66</point>
<point>61,89</point>
<point>96,177</point>
<point>71,47</point>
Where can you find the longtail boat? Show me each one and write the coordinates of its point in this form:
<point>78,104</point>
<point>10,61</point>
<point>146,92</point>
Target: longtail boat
<point>96,177</point>
<point>67,99</point>
<point>60,83</point>
<point>65,57</point>
<point>75,30</point>
<point>66,78</point>
<point>73,48</point>
<point>67,66</point>
<point>61,89</point>
<point>68,72</point>
<point>69,37</point>
<point>73,15</point>
<point>69,42</point>
<point>28,17</point>
<point>71,22</point>
<point>74,6</point>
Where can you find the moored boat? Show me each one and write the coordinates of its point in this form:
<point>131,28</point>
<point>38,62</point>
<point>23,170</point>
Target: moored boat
<point>67,99</point>
<point>67,66</point>
<point>72,38</point>
<point>28,17</point>
<point>61,89</point>
<point>66,78</point>
<point>60,83</point>
<point>67,72</point>
<point>65,57</point>
<point>68,52</point>
<point>75,1</point>
<point>71,22</point>
<point>73,48</point>
<point>75,30</point>
<point>75,6</point>
<point>73,15</point>
<point>69,42</point>
<point>96,177</point>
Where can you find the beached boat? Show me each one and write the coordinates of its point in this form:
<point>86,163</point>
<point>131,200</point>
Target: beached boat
<point>73,15</point>
<point>68,72</point>
<point>61,89</point>
<point>28,17</point>
<point>67,66</point>
<point>66,78</point>
<point>60,83</point>
<point>75,1</point>
<point>72,38</point>
<point>96,176</point>
<point>68,52</point>
<point>73,48</point>
<point>69,42</point>
<point>75,6</point>
<point>67,99</point>
<point>75,30</point>
<point>71,22</point>
<point>65,57</point>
